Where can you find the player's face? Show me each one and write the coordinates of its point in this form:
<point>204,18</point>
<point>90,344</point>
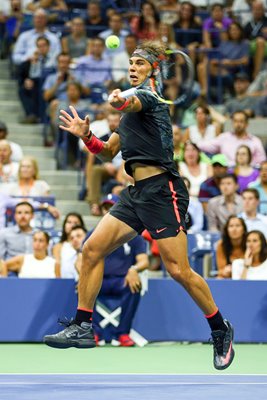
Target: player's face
<point>139,70</point>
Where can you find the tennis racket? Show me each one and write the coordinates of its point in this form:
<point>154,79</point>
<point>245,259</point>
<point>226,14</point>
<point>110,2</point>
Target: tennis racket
<point>167,82</point>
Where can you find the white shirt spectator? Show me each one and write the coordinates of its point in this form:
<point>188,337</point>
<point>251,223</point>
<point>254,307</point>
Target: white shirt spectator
<point>34,268</point>
<point>258,273</point>
<point>26,45</point>
<point>259,223</point>
<point>68,258</point>
<point>17,152</point>
<point>9,172</point>
<point>120,64</point>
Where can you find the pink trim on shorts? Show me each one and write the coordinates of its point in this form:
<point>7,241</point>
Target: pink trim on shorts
<point>174,201</point>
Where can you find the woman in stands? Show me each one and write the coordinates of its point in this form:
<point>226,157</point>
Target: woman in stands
<point>204,129</point>
<point>36,265</point>
<point>253,266</point>
<point>28,183</point>
<point>76,44</point>
<point>63,251</point>
<point>146,26</point>
<point>232,245</point>
<point>193,168</point>
<point>243,170</point>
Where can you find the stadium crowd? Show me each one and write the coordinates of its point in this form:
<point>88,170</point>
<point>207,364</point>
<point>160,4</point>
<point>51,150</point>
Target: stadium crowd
<point>57,55</point>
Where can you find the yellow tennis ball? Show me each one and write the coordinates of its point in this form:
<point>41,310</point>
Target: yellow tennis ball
<point>112,42</point>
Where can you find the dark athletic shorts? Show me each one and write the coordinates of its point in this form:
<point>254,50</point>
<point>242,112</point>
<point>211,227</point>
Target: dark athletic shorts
<point>158,204</point>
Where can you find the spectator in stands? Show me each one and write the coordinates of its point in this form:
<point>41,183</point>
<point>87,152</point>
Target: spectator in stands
<point>14,20</point>
<point>17,239</point>
<point>258,87</point>
<point>242,101</point>
<point>95,22</point>
<point>51,5</point>
<point>35,265</point>
<point>204,128</point>
<point>63,251</point>
<point>120,63</point>
<point>214,26</point>
<point>55,85</point>
<point>231,57</point>
<point>71,266</point>
<point>238,136</point>
<point>26,43</point>
<point>243,170</point>
<point>31,75</point>
<point>76,44</point>
<point>241,9</point>
<point>94,69</point>
<point>188,29</point>
<point>178,147</point>
<point>166,35</point>
<point>261,186</point>
<point>28,183</point>
<point>98,173</point>
<point>221,207</point>
<point>254,264</point>
<point>16,149</point>
<point>253,219</point>
<point>193,168</point>
<point>261,107</point>
<point>211,186</point>
<point>8,168</point>
<point>231,246</point>
<point>194,213</point>
<point>122,281</point>
<point>74,98</point>
<point>169,10</point>
<point>115,28</point>
<point>146,26</point>
<point>256,32</point>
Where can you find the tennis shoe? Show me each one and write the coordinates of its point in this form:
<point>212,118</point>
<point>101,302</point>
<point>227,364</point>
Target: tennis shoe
<point>126,341</point>
<point>80,336</point>
<point>223,347</point>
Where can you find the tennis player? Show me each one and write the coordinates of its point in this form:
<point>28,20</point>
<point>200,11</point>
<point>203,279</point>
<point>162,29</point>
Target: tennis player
<point>157,202</point>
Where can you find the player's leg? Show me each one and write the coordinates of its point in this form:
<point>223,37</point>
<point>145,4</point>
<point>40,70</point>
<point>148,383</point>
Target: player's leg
<point>108,235</point>
<point>173,251</point>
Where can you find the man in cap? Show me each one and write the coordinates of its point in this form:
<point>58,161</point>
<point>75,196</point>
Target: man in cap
<point>242,100</point>
<point>210,187</point>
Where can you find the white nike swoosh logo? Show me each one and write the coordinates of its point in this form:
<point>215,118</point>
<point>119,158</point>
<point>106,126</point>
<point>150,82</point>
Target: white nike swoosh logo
<point>161,230</point>
<point>80,335</point>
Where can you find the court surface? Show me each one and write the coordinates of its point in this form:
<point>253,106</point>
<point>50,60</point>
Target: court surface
<point>171,371</point>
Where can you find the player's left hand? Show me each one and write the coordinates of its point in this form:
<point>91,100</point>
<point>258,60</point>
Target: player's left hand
<point>133,281</point>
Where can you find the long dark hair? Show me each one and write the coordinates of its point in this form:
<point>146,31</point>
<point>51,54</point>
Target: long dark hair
<point>227,244</point>
<point>141,24</point>
<point>263,250</point>
<point>64,235</point>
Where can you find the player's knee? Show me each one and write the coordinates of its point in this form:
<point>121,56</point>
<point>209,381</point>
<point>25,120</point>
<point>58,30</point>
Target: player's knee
<point>180,274</point>
<point>90,252</point>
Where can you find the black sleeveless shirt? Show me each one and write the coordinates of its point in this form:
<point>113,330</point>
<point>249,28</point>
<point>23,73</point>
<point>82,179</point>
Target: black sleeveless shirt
<point>146,136</point>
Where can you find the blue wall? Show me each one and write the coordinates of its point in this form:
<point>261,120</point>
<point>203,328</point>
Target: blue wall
<point>29,309</point>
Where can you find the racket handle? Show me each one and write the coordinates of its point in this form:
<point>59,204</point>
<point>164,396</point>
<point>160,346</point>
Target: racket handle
<point>128,93</point>
<point>125,94</point>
